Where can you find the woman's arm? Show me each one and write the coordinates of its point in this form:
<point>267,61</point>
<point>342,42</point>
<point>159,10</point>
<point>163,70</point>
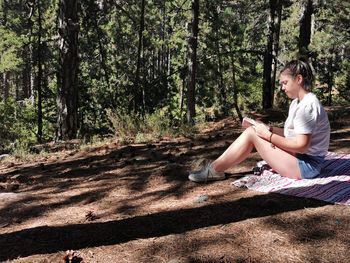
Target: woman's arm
<point>298,144</point>
<point>277,130</point>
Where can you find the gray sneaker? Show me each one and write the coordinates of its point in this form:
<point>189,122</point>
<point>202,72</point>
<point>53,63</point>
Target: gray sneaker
<point>206,174</point>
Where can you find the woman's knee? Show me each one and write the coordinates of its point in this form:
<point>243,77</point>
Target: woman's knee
<point>249,132</point>
<point>251,135</point>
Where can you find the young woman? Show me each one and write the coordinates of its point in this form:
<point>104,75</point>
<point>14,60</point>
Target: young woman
<point>298,150</point>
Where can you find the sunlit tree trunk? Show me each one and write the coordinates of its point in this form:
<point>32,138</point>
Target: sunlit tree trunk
<point>30,74</point>
<point>67,75</point>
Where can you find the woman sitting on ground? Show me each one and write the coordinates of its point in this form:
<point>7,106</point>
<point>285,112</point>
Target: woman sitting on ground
<point>298,150</point>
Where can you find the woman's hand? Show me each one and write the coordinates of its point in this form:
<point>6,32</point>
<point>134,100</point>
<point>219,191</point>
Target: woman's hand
<point>262,130</point>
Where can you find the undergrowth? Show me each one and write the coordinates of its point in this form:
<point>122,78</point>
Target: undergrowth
<point>135,128</point>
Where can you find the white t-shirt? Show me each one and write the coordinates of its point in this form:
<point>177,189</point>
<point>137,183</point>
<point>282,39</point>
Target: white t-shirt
<point>309,117</point>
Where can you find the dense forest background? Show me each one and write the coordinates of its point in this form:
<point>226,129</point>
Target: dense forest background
<point>81,69</point>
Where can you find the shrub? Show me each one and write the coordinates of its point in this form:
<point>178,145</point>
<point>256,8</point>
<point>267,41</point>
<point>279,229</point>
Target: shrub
<point>17,124</point>
<point>134,128</point>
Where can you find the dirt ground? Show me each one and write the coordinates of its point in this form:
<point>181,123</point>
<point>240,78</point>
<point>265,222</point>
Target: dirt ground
<point>134,203</point>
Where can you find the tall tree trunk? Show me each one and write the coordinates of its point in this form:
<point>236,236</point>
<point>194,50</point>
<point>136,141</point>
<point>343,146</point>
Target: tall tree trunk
<point>28,76</point>
<point>6,85</point>
<point>192,63</point>
<point>330,80</point>
<point>30,61</point>
<point>305,26</point>
<point>31,76</point>
<point>138,89</point>
<point>26,72</point>
<point>17,88</point>
<point>267,85</point>
<point>183,77</point>
<point>234,82</point>
<point>101,48</point>
<point>182,91</point>
<point>165,48</point>
<point>222,89</point>
<point>5,82</point>
<point>67,75</point>
<point>275,47</point>
<point>40,76</point>
<point>330,88</point>
<point>235,88</point>
<point>223,94</point>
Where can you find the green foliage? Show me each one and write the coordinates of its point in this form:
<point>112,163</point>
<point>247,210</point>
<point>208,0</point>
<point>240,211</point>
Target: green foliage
<point>331,41</point>
<point>124,125</point>
<point>231,43</point>
<point>10,44</point>
<point>135,128</point>
<point>17,124</point>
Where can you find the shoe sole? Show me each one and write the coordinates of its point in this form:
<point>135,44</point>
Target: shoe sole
<point>193,179</point>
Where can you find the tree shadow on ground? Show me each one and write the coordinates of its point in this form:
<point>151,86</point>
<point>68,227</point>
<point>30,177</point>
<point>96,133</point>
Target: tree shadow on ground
<point>131,167</point>
<point>313,232</point>
<point>49,239</point>
<point>95,175</point>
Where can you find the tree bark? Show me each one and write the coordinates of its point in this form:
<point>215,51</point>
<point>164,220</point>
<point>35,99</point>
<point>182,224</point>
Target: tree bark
<point>275,47</point>
<point>40,76</point>
<point>29,68</point>
<point>222,88</point>
<point>26,72</point>
<point>5,75</point>
<point>192,63</point>
<point>6,85</point>
<point>67,74</point>
<point>267,85</point>
<point>27,76</point>
<point>235,89</point>
<point>102,50</point>
<point>234,82</point>
<point>138,89</point>
<point>305,27</point>
<point>271,52</point>
<point>182,91</point>
<point>330,80</point>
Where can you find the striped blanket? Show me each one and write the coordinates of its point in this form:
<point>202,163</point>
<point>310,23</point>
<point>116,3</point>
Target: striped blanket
<point>333,184</point>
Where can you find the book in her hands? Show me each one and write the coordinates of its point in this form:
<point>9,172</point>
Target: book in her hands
<point>247,122</point>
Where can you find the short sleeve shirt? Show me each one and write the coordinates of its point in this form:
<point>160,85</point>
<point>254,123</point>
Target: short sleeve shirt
<point>309,117</point>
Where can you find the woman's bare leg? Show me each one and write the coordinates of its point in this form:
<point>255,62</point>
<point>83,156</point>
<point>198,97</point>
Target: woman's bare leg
<point>281,161</point>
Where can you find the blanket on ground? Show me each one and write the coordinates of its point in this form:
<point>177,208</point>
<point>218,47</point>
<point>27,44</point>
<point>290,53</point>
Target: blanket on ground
<point>332,185</point>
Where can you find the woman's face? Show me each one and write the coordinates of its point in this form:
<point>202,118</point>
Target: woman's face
<point>291,86</point>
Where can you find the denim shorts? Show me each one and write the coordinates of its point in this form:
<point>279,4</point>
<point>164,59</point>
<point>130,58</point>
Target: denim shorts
<point>309,165</point>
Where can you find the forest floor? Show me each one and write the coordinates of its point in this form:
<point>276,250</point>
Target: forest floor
<point>134,203</point>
